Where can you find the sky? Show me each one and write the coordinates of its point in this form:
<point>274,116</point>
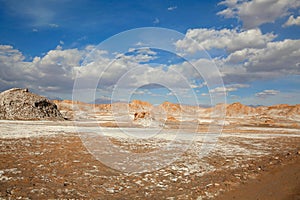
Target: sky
<point>191,52</point>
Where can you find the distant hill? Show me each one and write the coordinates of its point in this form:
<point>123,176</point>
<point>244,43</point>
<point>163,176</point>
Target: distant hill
<point>20,104</point>
<point>282,115</point>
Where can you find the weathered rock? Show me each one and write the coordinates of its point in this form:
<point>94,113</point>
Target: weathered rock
<point>145,119</point>
<point>172,119</point>
<point>142,115</point>
<point>20,104</point>
<point>171,114</point>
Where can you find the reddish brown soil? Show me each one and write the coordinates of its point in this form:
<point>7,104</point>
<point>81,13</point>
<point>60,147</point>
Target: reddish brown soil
<point>282,183</point>
<point>59,167</point>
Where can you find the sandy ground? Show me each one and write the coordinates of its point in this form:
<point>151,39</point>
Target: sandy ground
<point>281,182</point>
<point>48,160</point>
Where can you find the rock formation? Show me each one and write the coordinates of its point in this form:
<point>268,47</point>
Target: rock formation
<point>20,104</point>
<point>141,115</point>
<point>240,110</point>
<point>138,106</point>
<point>145,119</point>
<point>145,114</point>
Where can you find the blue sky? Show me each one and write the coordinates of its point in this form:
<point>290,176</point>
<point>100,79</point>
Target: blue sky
<point>44,45</point>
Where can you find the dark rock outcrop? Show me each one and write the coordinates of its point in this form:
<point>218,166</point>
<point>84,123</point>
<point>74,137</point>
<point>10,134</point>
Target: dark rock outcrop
<point>20,104</point>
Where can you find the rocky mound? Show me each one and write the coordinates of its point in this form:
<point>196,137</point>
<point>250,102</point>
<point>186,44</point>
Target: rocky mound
<point>147,115</point>
<point>137,106</point>
<point>142,115</point>
<point>145,119</point>
<point>240,110</point>
<point>20,104</point>
<point>171,107</point>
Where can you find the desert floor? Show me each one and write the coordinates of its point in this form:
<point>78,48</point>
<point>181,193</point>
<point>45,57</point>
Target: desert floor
<point>48,160</point>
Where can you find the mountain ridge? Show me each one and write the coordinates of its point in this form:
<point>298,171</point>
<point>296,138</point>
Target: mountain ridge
<point>235,113</point>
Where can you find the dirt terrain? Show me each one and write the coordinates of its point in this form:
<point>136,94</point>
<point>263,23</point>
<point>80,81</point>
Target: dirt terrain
<point>139,151</point>
<point>282,182</point>
<point>47,160</point>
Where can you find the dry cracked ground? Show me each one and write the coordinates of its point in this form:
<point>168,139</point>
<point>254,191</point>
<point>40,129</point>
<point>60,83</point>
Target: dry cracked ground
<point>48,160</point>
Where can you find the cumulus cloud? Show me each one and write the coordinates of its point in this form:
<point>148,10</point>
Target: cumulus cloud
<point>292,21</point>
<point>57,70</point>
<point>276,59</point>
<point>13,69</point>
<point>229,39</point>
<point>267,93</point>
<point>225,90</point>
<point>138,55</point>
<point>52,72</point>
<point>147,75</point>
<point>250,55</point>
<point>9,54</point>
<point>253,13</point>
<point>282,56</point>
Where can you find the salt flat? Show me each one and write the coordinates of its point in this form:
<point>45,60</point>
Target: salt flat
<point>11,129</point>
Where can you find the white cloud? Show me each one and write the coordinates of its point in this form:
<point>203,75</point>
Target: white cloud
<point>253,13</point>
<point>250,55</point>
<point>282,56</point>
<point>228,88</point>
<point>222,89</point>
<point>229,39</point>
<point>267,93</point>
<point>140,44</point>
<point>9,54</point>
<point>284,96</point>
<point>138,55</point>
<point>56,70</point>
<point>156,21</point>
<point>139,92</point>
<point>238,86</point>
<point>277,59</point>
<point>40,14</point>
<point>54,25</point>
<point>13,69</point>
<point>204,94</point>
<point>194,86</point>
<point>292,21</point>
<point>172,8</point>
<point>170,94</point>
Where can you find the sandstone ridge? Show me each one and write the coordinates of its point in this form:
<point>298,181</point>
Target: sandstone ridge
<point>236,113</point>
